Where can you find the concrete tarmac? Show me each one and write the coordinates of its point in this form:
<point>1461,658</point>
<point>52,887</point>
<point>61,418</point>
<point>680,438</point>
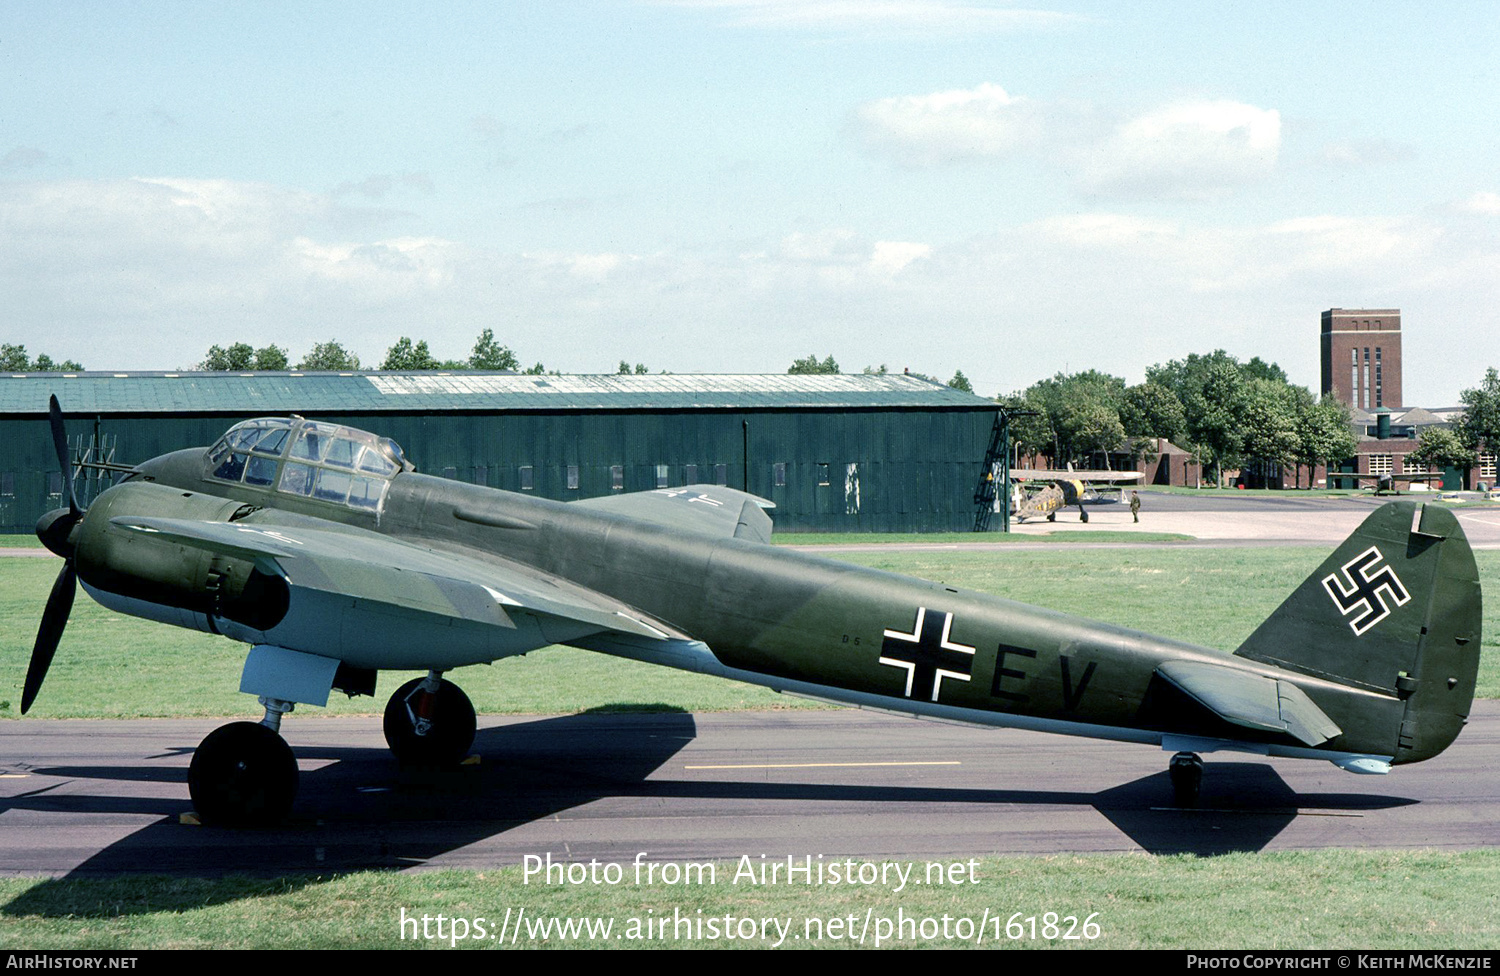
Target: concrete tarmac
<point>103,797</point>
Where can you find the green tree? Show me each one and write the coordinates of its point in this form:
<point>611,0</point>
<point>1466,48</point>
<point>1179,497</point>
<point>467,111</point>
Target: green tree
<point>243,358</point>
<point>271,358</point>
<point>238,358</point>
<point>1479,428</point>
<point>625,369</point>
<point>1152,410</point>
<point>1259,369</point>
<point>489,354</point>
<point>536,370</point>
<point>1439,447</point>
<point>13,359</point>
<point>1324,435</point>
<point>1029,435</point>
<point>1082,411</point>
<point>1269,428</point>
<point>1089,426</point>
<point>811,365</point>
<point>406,356</point>
<point>1212,391</point>
<point>961,382</point>
<point>330,356</point>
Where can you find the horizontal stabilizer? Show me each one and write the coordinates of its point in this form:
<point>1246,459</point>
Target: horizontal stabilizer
<point>1251,700</point>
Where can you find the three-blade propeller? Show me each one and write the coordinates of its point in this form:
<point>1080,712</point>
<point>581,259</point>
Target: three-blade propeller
<point>55,529</point>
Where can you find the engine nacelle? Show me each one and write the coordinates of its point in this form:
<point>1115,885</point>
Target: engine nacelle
<point>146,571</point>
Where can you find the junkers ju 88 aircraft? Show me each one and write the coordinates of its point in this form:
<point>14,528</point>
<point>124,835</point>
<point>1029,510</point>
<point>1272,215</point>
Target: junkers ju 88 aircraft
<point>320,547</point>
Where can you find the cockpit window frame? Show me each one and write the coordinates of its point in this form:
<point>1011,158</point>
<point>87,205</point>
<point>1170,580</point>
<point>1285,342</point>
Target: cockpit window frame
<point>311,459</point>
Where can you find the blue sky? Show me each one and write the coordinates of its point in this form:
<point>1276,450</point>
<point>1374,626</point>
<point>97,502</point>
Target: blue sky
<point>724,186</point>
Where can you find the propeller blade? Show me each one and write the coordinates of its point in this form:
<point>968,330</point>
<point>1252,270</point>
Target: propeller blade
<point>60,441</point>
<point>54,619</point>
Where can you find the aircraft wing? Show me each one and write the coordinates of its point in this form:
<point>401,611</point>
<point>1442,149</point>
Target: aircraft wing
<point>710,509</point>
<point>1251,701</point>
<point>1046,474</point>
<point>387,578</point>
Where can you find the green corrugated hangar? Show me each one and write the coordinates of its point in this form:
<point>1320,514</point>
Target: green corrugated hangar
<point>858,452</point>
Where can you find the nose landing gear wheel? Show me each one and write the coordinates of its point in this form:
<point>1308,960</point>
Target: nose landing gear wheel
<point>243,774</point>
<point>437,731</point>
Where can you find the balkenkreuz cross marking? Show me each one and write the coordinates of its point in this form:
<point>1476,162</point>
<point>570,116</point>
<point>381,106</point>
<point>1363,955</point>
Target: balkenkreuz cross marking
<point>1365,591</point>
<point>927,654</point>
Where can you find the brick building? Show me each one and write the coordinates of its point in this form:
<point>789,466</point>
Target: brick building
<point>1361,356</point>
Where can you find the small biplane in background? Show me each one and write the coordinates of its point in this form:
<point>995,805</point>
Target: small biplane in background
<point>1040,492</point>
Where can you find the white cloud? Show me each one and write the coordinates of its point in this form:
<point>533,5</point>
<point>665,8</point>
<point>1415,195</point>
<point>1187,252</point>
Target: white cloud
<point>1484,203</point>
<point>891,257</point>
<point>923,130</point>
<point>147,274</point>
<point>1187,149</point>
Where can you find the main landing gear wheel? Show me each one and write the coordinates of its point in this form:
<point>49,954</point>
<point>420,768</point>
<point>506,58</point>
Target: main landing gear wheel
<point>243,774</point>
<point>1186,770</point>
<point>426,729</point>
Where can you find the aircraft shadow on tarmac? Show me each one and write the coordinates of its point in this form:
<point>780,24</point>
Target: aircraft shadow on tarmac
<point>362,811</point>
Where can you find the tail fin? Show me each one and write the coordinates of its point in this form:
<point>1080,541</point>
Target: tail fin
<point>1395,609</point>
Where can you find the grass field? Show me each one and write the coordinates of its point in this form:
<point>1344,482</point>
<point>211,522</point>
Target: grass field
<point>967,538</point>
<point>1312,900</point>
<point>114,666</point>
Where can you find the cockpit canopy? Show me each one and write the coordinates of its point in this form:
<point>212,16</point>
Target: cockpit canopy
<point>308,458</point>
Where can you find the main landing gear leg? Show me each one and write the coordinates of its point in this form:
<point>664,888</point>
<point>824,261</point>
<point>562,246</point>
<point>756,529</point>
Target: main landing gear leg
<point>244,774</point>
<point>1186,770</point>
<point>429,722</point>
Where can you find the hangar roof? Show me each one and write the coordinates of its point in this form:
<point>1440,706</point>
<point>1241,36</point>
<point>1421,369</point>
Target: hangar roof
<point>288,392</point>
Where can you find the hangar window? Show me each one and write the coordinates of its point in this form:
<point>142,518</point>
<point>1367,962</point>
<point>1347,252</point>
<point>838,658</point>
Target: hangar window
<point>573,477</point>
<point>1380,464</point>
<point>721,474</point>
<point>617,476</point>
<point>1408,466</point>
<point>690,474</point>
<point>1487,466</point>
<point>528,479</point>
<point>661,476</point>
<point>778,474</point>
<point>8,485</point>
<point>822,472</point>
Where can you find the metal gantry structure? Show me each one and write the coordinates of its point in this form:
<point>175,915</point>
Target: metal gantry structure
<point>991,482</point>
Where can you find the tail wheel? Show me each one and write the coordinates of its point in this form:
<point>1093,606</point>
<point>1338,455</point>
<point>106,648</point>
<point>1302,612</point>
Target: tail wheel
<point>243,774</point>
<point>426,729</point>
